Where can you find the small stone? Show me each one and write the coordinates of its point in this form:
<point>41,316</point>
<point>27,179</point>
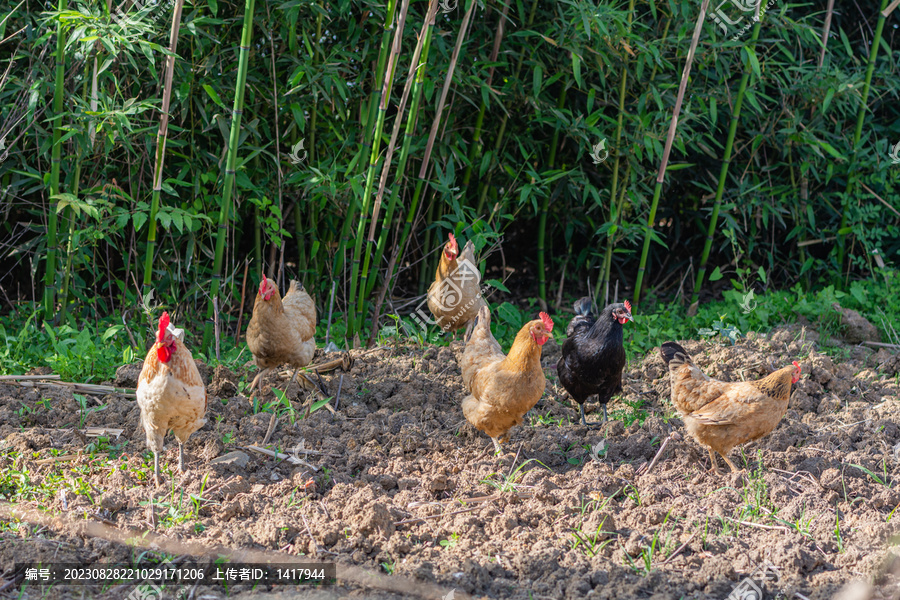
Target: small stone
<point>235,459</point>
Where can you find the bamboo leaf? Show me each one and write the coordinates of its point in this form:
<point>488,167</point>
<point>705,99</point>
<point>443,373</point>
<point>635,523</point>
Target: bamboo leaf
<point>214,96</point>
<point>213,7</point>
<point>827,101</point>
<point>536,80</point>
<point>496,283</point>
<point>750,53</point>
<point>846,43</point>
<point>576,69</point>
<point>829,149</point>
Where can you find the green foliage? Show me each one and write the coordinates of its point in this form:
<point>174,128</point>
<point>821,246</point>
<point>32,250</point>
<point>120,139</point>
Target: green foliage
<point>84,352</point>
<point>82,356</point>
<point>785,192</point>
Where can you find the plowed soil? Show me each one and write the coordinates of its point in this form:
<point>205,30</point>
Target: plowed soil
<point>397,481</point>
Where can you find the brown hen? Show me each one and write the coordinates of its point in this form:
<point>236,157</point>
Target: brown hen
<point>454,298</point>
<point>281,330</point>
<point>502,387</point>
<point>721,415</point>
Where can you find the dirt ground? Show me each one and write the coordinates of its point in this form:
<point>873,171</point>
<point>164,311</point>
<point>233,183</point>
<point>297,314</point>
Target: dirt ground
<point>562,514</point>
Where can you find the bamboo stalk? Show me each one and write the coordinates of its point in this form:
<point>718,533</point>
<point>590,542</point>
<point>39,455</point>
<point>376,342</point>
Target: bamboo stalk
<point>410,128</point>
<point>477,147</point>
<point>416,71</point>
<point>614,209</point>
<point>356,316</point>
<point>51,382</point>
<point>545,205</point>
<point>383,52</point>
<point>429,146</point>
<point>826,29</point>
<point>69,216</point>
<point>432,134</point>
<point>161,137</point>
<point>860,118</point>
<point>281,212</point>
<point>401,108</point>
<point>660,177</point>
<point>230,166</point>
<point>484,185</point>
<point>616,206</point>
<point>50,273</point>
<point>70,244</point>
<point>723,171</point>
<point>369,129</point>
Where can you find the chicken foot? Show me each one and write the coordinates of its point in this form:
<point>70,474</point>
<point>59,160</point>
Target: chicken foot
<point>257,379</point>
<point>731,464</point>
<point>497,448</point>
<point>715,467</point>
<point>594,423</point>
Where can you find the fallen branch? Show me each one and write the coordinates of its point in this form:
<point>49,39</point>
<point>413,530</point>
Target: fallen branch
<point>680,548</point>
<point>649,466</point>
<point>760,525</point>
<point>882,345</point>
<point>51,382</point>
<point>291,459</point>
<point>477,500</point>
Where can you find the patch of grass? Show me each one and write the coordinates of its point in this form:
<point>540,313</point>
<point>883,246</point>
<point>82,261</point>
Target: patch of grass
<point>838,536</point>
<point>801,524</point>
<point>637,413</point>
<point>177,509</point>
<point>882,479</point>
<point>103,445</point>
<point>591,543</point>
<point>548,420</point>
<point>509,482</point>
<point>756,503</point>
<point>651,552</point>
<point>389,567</point>
<point>633,493</point>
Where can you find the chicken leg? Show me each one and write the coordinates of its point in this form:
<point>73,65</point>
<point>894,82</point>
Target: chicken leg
<point>257,379</point>
<point>730,464</point>
<point>712,459</point>
<point>592,423</point>
<point>156,467</point>
<point>497,448</point>
<point>180,457</point>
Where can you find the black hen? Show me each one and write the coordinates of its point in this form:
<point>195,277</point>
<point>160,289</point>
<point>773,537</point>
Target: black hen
<point>593,355</point>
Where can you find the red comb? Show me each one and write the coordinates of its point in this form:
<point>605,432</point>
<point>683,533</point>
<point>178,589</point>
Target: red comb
<point>796,364</point>
<point>453,240</point>
<point>628,305</point>
<point>163,325</point>
<point>548,322</point>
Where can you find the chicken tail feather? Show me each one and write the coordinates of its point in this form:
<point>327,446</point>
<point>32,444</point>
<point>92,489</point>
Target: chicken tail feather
<point>482,320</point>
<point>674,355</point>
<point>583,307</point>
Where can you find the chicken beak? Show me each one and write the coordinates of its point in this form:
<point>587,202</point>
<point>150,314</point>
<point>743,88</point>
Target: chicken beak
<point>628,315</point>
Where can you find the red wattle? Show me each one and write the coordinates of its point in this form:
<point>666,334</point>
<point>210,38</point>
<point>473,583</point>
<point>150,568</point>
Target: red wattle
<point>163,354</point>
